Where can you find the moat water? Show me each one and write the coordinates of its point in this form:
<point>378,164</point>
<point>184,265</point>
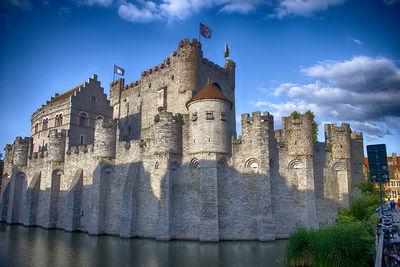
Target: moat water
<point>33,246</point>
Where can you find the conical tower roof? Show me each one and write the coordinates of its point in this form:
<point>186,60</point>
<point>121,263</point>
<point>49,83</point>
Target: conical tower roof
<point>209,92</point>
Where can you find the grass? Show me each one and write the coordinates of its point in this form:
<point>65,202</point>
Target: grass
<point>349,242</point>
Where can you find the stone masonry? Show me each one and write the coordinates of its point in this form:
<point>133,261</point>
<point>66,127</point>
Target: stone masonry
<point>161,159</point>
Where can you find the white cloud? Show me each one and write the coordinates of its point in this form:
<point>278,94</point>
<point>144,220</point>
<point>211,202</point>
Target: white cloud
<point>363,91</point>
<point>104,3</point>
<point>130,12</point>
<point>243,7</point>
<point>24,5</point>
<point>170,10</point>
<point>356,41</point>
<point>359,74</point>
<point>390,2</point>
<point>303,7</point>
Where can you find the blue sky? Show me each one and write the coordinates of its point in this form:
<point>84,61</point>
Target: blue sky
<point>339,58</point>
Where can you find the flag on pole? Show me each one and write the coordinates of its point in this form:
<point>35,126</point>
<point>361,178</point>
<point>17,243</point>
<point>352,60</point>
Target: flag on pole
<point>118,70</point>
<point>205,31</point>
<point>227,51</point>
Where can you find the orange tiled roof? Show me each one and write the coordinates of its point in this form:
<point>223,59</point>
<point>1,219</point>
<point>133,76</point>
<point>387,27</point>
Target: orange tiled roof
<point>209,92</point>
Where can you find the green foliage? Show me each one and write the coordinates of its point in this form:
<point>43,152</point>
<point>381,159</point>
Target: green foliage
<point>336,245</point>
<point>296,115</point>
<point>315,125</point>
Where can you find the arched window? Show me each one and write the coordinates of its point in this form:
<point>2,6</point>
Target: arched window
<point>83,117</point>
<point>58,120</point>
<point>45,124</point>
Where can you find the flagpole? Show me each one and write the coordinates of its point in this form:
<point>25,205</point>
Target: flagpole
<point>114,74</point>
<point>199,32</point>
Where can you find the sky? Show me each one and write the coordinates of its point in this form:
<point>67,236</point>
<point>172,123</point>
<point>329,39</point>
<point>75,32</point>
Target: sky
<point>338,58</point>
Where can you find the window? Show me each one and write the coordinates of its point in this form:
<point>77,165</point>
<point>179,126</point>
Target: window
<point>45,124</point>
<point>223,116</point>
<point>194,116</point>
<point>83,119</point>
<point>209,115</point>
<point>127,109</point>
<point>36,127</point>
<point>94,98</point>
<point>82,141</point>
<point>58,120</point>
<point>392,183</point>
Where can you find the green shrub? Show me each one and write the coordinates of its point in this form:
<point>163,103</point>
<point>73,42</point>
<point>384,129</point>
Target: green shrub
<point>349,244</point>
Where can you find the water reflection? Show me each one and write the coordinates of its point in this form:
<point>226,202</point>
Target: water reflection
<point>32,246</point>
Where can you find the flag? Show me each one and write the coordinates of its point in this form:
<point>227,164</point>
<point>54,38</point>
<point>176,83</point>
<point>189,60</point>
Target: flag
<point>205,31</point>
<point>118,70</point>
<point>227,51</point>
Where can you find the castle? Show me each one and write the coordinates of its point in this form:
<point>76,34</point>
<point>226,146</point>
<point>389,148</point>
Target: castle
<point>161,159</point>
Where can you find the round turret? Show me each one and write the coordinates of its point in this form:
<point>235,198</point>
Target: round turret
<point>104,139</point>
<point>209,121</point>
<point>56,146</point>
<point>21,148</point>
<point>167,133</point>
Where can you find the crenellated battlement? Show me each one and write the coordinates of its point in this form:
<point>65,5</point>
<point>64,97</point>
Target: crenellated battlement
<point>357,136</point>
<point>80,150</point>
<point>20,141</point>
<point>185,48</point>
<point>164,116</point>
<point>333,132</point>
<point>294,122</point>
<point>256,117</point>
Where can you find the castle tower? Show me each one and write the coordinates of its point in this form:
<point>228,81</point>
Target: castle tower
<point>21,148</point>
<point>357,157</point>
<point>258,138</point>
<point>104,139</point>
<point>209,137</point>
<point>298,133</point>
<point>56,145</point>
<point>168,133</point>
<point>297,165</point>
<point>337,140</point>
<point>209,121</point>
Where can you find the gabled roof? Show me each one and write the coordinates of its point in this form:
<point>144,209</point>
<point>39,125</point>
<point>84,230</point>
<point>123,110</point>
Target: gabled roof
<point>209,92</point>
<point>65,95</point>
